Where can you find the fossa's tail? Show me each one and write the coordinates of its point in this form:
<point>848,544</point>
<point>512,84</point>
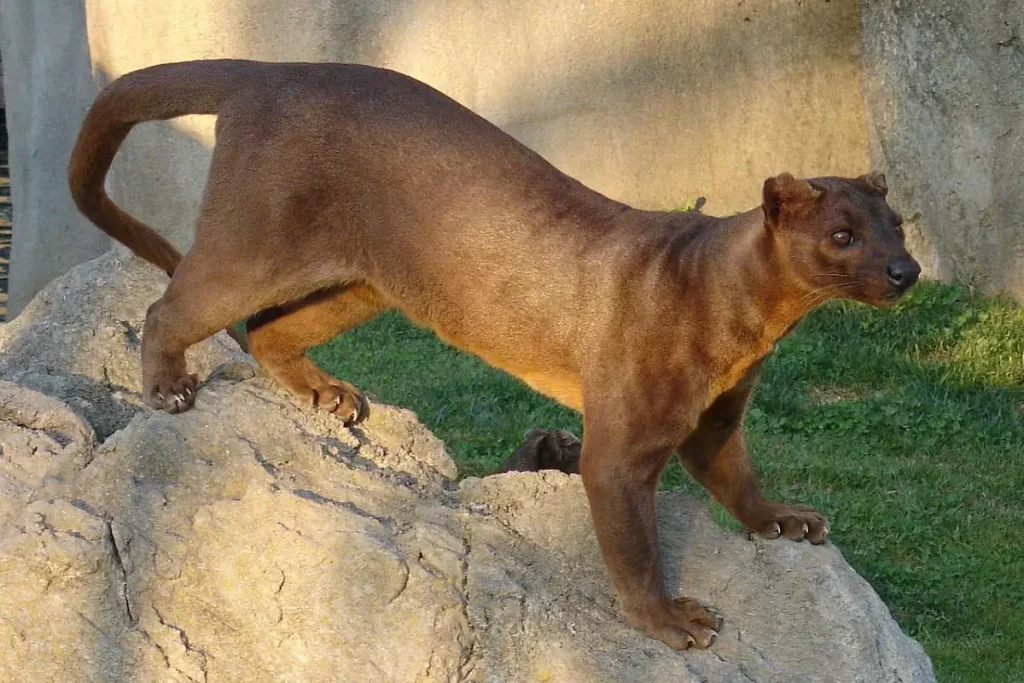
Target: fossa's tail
<point>152,94</point>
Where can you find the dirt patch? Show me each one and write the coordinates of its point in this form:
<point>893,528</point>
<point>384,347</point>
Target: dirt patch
<point>823,396</point>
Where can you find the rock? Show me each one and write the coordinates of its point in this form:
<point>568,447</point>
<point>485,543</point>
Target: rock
<point>254,539</point>
<point>544,611</point>
<point>80,339</point>
<point>41,441</point>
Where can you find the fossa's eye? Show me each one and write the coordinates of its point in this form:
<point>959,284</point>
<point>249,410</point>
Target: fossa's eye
<point>843,238</point>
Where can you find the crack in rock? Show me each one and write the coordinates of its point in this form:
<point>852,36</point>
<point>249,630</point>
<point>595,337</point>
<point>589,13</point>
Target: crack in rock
<point>201,655</point>
<point>121,570</point>
<point>469,654</point>
<point>389,524</point>
<point>269,467</point>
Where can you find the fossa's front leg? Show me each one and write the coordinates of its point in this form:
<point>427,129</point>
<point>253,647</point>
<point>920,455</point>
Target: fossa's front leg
<point>716,456</point>
<point>621,468</point>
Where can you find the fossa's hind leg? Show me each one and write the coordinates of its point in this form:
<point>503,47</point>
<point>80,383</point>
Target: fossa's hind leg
<point>202,299</point>
<point>246,229</point>
<point>279,338</point>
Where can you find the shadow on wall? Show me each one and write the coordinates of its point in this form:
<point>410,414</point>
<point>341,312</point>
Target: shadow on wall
<point>647,110</point>
<point>710,105</point>
<point>5,215</point>
<point>47,89</point>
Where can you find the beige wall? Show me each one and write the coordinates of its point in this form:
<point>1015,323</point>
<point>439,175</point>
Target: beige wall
<point>651,102</point>
<point>642,101</point>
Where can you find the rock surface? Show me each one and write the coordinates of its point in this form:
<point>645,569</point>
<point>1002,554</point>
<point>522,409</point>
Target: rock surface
<point>251,539</point>
<point>80,339</point>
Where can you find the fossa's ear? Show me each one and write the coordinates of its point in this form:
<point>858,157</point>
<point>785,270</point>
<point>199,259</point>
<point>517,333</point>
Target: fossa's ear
<point>876,181</point>
<point>784,191</point>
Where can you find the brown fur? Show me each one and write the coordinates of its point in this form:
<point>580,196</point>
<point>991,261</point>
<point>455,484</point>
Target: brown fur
<point>545,449</point>
<point>339,191</point>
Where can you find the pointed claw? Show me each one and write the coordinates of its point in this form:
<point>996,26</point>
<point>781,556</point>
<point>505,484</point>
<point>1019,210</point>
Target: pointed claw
<point>363,411</point>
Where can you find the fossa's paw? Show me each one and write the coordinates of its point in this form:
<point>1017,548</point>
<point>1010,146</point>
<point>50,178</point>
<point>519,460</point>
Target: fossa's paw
<point>680,623</point>
<point>343,400</point>
<point>544,449</point>
<point>174,396</point>
<point>795,522</point>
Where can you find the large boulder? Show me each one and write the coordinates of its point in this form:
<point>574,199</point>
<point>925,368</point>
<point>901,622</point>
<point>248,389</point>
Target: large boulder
<point>253,539</point>
<point>80,340</point>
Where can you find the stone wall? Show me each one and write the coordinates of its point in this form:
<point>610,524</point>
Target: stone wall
<point>651,102</point>
<point>48,86</point>
<point>639,101</point>
<point>945,91</point>
<point>643,101</point>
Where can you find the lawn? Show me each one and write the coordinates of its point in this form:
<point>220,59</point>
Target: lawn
<point>906,427</point>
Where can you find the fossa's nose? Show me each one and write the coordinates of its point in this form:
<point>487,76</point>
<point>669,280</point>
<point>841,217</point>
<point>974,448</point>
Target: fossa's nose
<point>903,272</point>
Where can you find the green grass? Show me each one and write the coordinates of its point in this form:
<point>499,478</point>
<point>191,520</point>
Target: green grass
<point>906,427</point>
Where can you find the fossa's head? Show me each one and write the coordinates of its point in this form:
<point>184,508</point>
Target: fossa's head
<point>839,237</point>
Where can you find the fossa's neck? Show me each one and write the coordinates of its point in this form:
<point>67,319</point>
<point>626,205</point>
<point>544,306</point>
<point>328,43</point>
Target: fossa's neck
<point>752,297</point>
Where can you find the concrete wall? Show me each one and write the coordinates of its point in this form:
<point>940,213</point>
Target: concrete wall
<point>48,87</point>
<point>651,102</point>
<point>639,100</point>
<point>945,91</point>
